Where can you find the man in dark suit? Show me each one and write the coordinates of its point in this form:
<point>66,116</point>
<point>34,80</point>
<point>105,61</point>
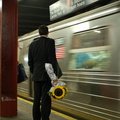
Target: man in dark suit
<point>41,51</point>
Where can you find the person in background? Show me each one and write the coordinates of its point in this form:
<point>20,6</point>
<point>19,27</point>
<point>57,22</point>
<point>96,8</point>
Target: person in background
<point>41,51</point>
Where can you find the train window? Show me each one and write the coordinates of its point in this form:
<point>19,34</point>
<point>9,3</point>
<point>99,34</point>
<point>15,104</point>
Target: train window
<point>92,38</point>
<point>90,50</point>
<point>95,60</point>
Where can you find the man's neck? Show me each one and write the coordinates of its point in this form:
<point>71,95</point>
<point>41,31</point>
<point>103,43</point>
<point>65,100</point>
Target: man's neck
<point>44,35</point>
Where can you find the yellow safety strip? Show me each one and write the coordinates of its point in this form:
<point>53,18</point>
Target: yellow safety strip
<point>52,111</point>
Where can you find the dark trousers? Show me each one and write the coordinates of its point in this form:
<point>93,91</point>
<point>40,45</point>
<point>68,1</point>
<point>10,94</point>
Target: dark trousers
<point>41,96</point>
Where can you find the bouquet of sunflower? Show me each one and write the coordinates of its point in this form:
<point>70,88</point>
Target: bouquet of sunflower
<point>59,90</point>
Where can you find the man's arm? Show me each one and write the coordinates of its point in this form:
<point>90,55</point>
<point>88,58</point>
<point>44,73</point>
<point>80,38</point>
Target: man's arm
<point>52,58</point>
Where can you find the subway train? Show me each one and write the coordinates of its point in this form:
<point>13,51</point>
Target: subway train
<point>87,50</point>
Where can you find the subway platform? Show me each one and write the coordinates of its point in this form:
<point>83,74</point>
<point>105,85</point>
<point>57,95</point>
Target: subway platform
<point>25,112</point>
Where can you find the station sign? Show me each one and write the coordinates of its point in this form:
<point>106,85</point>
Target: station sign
<point>64,7</point>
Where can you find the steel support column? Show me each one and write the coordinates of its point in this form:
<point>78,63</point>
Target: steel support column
<point>8,57</point>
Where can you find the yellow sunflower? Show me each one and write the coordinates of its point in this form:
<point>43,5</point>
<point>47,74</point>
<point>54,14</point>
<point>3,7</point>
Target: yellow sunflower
<point>58,92</point>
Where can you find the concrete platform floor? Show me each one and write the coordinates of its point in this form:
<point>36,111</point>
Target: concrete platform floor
<point>25,112</point>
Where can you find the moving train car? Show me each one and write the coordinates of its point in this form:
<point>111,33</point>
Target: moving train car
<point>87,49</point>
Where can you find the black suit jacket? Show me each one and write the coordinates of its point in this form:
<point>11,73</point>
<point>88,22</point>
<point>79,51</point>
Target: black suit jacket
<point>41,51</point>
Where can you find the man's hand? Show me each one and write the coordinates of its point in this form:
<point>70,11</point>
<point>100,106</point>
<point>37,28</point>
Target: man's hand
<point>55,82</point>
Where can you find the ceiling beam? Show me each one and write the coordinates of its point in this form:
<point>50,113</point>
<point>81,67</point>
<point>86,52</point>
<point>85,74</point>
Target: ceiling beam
<point>34,7</point>
<point>33,15</point>
<point>28,21</point>
<point>25,30</point>
<point>30,26</point>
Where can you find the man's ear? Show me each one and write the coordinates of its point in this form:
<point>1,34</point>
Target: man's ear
<point>47,34</point>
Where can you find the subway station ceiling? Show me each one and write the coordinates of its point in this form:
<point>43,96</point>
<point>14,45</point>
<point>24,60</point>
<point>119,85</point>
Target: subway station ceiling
<point>32,13</point>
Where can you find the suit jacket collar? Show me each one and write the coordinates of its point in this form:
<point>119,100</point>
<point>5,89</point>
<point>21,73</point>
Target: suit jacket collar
<point>44,36</point>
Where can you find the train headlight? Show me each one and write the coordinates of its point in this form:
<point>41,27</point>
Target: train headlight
<point>58,92</point>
